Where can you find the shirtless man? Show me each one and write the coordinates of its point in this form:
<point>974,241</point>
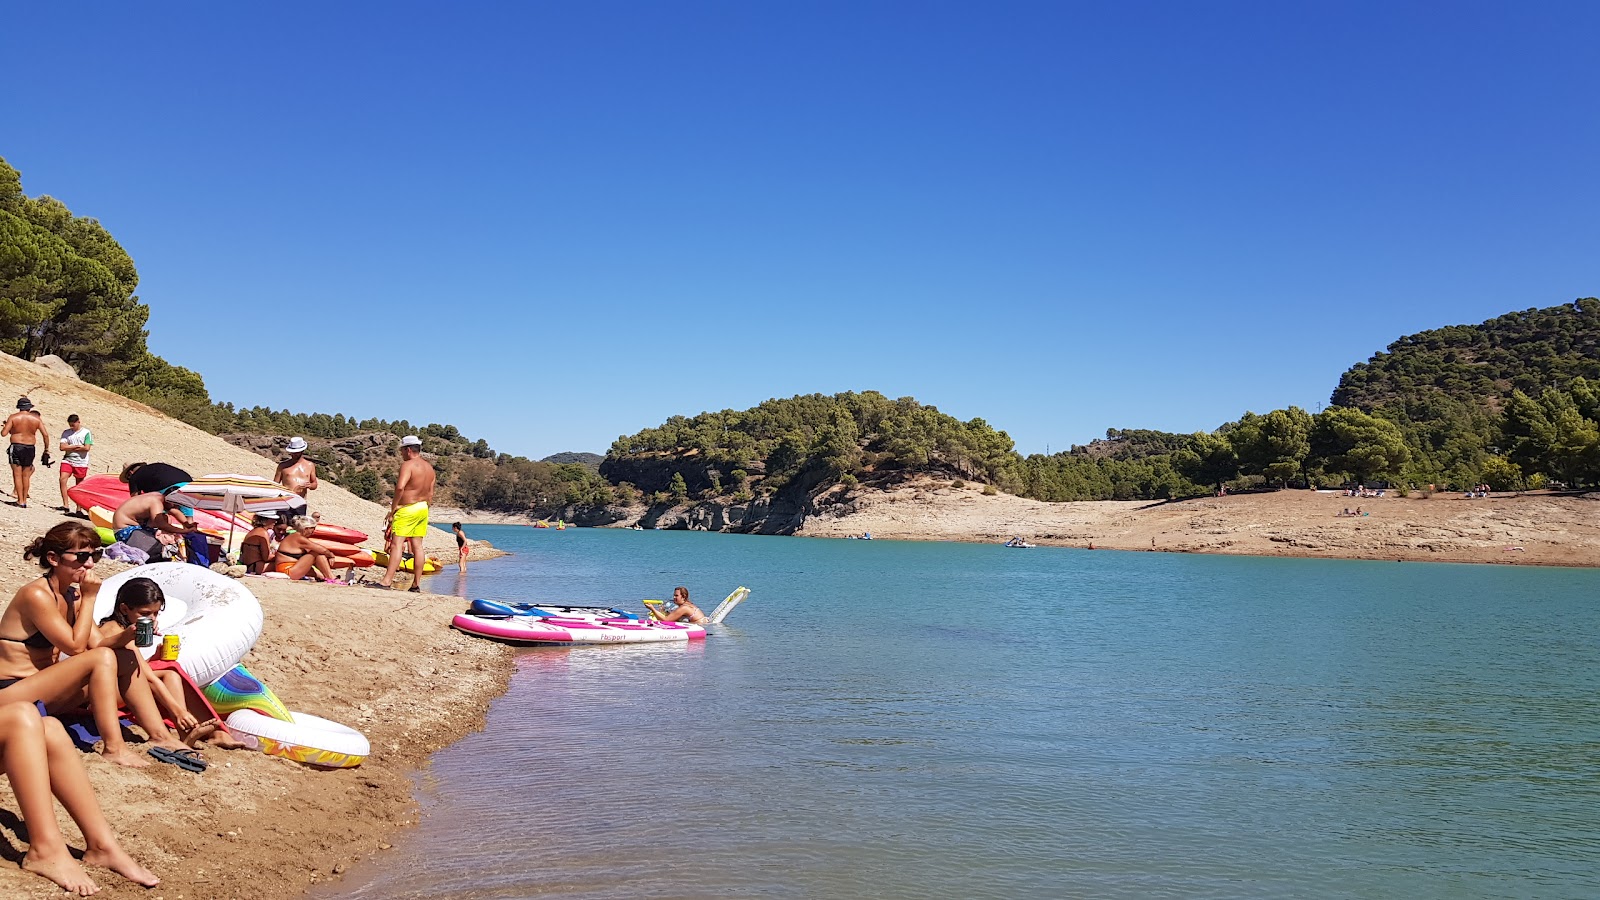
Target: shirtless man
<point>24,427</point>
<point>407,522</point>
<point>147,514</point>
<point>297,473</point>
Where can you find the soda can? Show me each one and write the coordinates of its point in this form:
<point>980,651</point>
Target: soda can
<point>144,633</point>
<point>169,648</point>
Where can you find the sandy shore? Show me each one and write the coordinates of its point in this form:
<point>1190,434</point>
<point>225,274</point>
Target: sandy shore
<point>1538,529</point>
<point>386,663</point>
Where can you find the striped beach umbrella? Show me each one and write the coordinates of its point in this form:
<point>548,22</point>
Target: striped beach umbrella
<point>237,495</point>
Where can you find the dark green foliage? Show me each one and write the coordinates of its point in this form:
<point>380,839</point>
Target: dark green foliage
<point>823,436</point>
<point>1366,447</point>
<point>1447,388</point>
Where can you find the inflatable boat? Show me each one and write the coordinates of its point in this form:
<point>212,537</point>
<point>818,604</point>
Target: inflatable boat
<point>483,607</point>
<point>554,630</point>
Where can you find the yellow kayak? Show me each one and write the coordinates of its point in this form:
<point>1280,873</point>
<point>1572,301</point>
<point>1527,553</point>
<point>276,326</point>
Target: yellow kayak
<point>380,558</point>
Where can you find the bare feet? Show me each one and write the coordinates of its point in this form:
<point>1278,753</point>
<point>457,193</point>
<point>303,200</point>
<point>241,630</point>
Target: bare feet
<point>117,860</point>
<point>125,757</point>
<point>64,871</point>
<point>201,732</point>
<point>171,743</point>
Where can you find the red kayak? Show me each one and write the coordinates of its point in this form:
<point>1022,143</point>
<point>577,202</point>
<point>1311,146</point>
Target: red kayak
<point>107,491</point>
<point>327,532</point>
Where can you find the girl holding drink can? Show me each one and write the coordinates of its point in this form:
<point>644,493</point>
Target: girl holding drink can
<point>140,600</point>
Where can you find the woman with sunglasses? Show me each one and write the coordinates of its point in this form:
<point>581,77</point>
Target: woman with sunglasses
<point>54,614</point>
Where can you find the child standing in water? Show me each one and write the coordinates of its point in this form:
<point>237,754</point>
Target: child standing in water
<point>461,545</point>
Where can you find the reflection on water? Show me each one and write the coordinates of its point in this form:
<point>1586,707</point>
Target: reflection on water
<point>923,720</point>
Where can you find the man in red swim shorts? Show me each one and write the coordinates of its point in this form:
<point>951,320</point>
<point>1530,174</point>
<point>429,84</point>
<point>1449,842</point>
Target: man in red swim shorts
<point>75,444</point>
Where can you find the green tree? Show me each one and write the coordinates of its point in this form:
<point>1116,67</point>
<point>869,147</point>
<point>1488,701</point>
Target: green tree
<point>1208,459</point>
<point>677,487</point>
<point>1275,445</point>
<point>1365,446</point>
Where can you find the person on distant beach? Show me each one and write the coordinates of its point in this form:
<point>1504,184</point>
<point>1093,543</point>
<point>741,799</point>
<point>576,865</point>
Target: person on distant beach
<point>25,428</point>
<point>407,521</point>
<point>40,760</point>
<point>75,444</point>
<point>256,550</point>
<point>461,545</point>
<point>297,473</point>
<point>142,597</point>
<point>300,553</point>
<point>682,609</point>
<point>54,614</point>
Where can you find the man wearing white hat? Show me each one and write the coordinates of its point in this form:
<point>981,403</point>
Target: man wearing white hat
<point>297,473</point>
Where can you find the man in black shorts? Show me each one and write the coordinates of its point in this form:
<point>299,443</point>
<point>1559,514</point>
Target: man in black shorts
<point>24,429</point>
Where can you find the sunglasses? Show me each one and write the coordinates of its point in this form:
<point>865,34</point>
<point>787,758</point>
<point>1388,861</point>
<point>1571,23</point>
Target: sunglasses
<point>79,556</point>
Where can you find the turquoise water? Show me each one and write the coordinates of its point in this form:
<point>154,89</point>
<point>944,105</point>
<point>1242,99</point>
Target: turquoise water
<point>907,720</point>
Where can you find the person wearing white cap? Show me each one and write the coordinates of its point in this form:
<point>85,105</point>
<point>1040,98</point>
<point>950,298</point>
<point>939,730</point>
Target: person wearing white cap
<point>297,473</point>
<point>256,550</point>
<point>408,511</point>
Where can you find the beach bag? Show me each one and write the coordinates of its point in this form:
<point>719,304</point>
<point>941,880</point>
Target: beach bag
<point>148,544</point>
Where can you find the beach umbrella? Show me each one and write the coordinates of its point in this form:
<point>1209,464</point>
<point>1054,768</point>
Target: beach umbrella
<point>236,495</point>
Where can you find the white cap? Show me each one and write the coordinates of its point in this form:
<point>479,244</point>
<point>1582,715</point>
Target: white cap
<point>296,445</point>
<point>411,440</point>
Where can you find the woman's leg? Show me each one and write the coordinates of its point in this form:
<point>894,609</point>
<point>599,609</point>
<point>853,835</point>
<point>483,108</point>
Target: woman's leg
<point>321,562</point>
<point>62,688</point>
<point>22,741</point>
<point>302,567</point>
<point>71,785</point>
<point>142,703</point>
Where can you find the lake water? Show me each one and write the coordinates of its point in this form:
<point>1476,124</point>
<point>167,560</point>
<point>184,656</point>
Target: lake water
<point>914,720</point>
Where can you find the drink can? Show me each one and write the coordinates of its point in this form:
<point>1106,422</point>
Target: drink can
<point>144,633</point>
<point>169,648</point>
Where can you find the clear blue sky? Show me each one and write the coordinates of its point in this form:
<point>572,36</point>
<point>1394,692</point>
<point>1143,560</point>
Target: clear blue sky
<point>551,224</point>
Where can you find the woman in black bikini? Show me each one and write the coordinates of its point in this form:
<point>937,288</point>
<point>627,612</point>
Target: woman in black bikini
<point>53,614</point>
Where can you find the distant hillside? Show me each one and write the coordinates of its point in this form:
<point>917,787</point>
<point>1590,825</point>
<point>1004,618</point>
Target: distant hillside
<point>571,458</point>
<point>1449,389</point>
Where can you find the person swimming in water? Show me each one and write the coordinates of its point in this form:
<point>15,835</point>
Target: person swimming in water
<point>683,610</point>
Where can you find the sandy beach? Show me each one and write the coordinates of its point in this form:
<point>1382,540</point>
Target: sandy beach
<point>252,825</point>
<point>1531,529</point>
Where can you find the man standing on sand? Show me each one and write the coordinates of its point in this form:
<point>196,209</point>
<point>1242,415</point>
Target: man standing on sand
<point>75,444</point>
<point>25,428</point>
<point>407,522</point>
<point>297,473</point>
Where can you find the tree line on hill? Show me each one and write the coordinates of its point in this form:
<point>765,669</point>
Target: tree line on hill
<point>1513,402</point>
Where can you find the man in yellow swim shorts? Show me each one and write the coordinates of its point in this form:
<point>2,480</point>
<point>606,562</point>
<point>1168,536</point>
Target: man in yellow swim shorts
<point>408,512</point>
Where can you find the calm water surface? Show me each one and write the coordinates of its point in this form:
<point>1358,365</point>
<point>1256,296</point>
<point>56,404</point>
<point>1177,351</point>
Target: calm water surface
<point>911,720</point>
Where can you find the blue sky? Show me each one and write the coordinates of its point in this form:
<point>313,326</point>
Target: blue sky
<point>551,224</point>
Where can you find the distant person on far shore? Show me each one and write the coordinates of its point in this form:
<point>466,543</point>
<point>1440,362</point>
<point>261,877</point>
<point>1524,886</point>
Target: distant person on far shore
<point>407,522</point>
<point>682,609</point>
<point>461,545</point>
<point>297,473</point>
<point>75,444</point>
<point>24,427</point>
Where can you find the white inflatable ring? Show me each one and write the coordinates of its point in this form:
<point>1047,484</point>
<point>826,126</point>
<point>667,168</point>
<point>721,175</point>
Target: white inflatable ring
<point>216,618</point>
<point>308,739</point>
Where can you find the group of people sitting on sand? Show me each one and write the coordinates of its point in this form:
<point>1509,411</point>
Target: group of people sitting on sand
<point>270,547</point>
<point>1360,490</point>
<point>1478,491</point>
<point>56,660</point>
<point>1357,512</point>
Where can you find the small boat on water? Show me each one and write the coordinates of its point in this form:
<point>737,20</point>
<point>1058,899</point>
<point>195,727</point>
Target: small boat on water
<point>585,630</point>
<point>1017,543</point>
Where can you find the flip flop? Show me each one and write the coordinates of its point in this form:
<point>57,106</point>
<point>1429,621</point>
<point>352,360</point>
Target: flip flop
<point>187,760</point>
